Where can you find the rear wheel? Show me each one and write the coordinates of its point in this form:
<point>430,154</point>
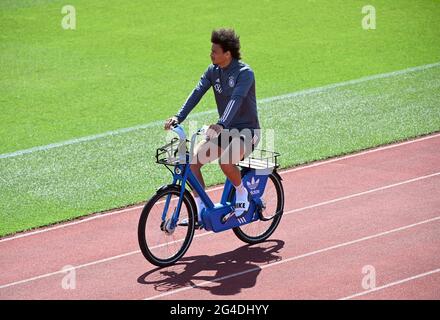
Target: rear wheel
<point>273,199</point>
<point>160,244</point>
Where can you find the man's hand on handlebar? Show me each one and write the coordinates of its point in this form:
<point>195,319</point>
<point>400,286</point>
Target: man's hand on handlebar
<point>170,122</point>
<point>211,132</point>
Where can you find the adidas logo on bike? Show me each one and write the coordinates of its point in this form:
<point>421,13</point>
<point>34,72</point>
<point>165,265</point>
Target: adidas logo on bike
<point>252,185</point>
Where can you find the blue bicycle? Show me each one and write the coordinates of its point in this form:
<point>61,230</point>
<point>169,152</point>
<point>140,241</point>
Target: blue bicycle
<point>163,240</point>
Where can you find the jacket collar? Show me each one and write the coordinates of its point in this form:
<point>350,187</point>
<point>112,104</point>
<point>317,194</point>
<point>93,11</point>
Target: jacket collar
<point>233,63</point>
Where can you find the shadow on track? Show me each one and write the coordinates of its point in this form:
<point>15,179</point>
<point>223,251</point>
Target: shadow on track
<point>244,262</point>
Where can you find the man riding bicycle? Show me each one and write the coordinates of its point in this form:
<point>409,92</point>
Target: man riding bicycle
<point>236,133</point>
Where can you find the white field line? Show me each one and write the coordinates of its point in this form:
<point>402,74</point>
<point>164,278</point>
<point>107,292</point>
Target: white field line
<point>377,235</point>
<point>131,209</point>
<point>210,232</point>
<point>91,137</point>
<point>349,82</point>
<point>395,283</point>
<point>260,101</point>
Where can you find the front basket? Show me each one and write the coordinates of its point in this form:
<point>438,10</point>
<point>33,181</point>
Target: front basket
<point>172,153</point>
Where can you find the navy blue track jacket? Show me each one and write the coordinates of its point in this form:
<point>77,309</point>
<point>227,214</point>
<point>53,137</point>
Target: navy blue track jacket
<point>234,91</point>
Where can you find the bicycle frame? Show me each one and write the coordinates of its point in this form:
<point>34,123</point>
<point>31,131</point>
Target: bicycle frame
<point>256,170</point>
<point>182,175</point>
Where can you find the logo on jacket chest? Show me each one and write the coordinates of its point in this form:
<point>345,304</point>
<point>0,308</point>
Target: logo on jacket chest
<point>218,88</point>
<point>218,85</point>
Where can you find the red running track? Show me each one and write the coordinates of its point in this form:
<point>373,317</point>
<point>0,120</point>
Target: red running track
<point>365,226</point>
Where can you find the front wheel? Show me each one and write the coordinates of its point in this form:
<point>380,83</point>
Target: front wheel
<point>273,199</point>
<point>161,244</point>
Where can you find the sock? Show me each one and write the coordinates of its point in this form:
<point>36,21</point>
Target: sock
<point>200,206</point>
<point>242,197</point>
<point>241,190</point>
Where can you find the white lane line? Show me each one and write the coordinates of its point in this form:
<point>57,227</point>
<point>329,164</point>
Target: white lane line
<point>362,153</point>
<point>94,217</point>
<point>366,192</point>
<point>210,232</point>
<point>103,215</point>
<point>270,265</point>
<point>261,101</point>
<point>76,267</point>
<point>421,275</point>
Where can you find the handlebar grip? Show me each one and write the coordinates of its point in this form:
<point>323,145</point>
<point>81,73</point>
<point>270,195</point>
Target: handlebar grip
<point>174,124</point>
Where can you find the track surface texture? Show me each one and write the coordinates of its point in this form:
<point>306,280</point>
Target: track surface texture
<point>363,226</point>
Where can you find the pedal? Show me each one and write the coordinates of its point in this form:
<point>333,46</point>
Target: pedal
<point>197,225</point>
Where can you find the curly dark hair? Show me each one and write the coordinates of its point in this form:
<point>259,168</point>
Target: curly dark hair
<point>228,40</point>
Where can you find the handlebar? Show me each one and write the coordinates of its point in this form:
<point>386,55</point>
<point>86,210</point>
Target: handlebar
<point>178,129</point>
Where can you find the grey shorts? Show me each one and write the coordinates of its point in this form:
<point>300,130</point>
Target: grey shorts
<point>250,137</point>
<point>227,140</point>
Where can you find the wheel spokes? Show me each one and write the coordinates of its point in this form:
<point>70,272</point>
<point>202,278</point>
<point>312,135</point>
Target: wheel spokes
<point>165,242</point>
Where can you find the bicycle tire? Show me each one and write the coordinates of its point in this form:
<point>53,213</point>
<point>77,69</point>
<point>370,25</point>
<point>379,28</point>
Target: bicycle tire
<point>189,203</point>
<point>239,231</point>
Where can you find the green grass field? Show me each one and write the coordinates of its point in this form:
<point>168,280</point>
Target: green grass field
<point>134,63</point>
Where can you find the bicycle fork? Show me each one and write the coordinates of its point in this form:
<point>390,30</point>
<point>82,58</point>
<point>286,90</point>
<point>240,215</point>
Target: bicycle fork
<point>169,225</point>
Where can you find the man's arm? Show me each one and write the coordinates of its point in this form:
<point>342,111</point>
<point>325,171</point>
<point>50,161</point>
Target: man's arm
<point>195,96</point>
<point>244,83</point>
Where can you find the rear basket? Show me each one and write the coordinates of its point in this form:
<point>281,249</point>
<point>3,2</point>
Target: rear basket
<point>261,159</point>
